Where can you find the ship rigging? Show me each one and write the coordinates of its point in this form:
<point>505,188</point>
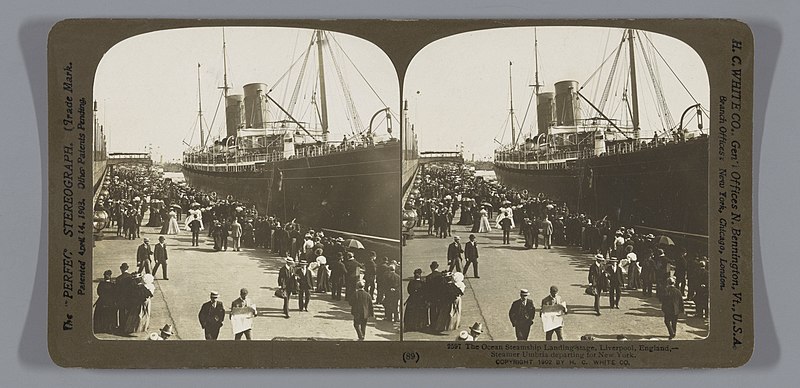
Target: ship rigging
<point>560,123</point>
<point>257,122</point>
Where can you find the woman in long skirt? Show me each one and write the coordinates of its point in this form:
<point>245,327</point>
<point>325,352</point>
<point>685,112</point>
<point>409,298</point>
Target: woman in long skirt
<point>173,227</point>
<point>323,277</point>
<point>105,309</point>
<point>416,314</point>
<point>139,319</point>
<point>450,318</point>
<point>466,213</point>
<point>155,212</point>
<point>484,227</point>
<point>633,268</point>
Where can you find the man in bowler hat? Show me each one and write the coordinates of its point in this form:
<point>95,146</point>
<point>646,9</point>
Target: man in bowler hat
<point>471,254</point>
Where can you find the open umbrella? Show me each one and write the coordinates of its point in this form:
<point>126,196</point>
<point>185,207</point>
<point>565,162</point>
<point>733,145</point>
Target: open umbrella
<point>664,240</point>
<point>353,243</point>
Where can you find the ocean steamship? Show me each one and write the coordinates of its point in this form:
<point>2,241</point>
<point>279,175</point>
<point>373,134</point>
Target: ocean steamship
<point>292,169</point>
<point>603,167</point>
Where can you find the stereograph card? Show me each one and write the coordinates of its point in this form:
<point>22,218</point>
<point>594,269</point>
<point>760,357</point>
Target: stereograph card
<point>324,193</point>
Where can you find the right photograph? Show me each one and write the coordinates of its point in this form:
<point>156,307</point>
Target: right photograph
<point>555,187</point>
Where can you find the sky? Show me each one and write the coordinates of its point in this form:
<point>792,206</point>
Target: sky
<point>147,90</point>
<point>458,87</point>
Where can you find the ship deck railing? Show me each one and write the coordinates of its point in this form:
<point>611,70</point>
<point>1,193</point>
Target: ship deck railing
<point>532,160</point>
<point>253,161</point>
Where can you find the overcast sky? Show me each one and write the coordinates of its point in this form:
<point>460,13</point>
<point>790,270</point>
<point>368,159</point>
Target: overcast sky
<point>458,87</point>
<point>147,91</point>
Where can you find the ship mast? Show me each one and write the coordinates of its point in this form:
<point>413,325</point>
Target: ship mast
<point>511,110</point>
<point>323,96</point>
<point>200,109</point>
<point>634,94</point>
<point>536,85</point>
<point>224,86</point>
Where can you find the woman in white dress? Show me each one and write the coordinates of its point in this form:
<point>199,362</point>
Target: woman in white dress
<point>323,273</point>
<point>173,223</point>
<point>634,268</point>
<point>485,226</point>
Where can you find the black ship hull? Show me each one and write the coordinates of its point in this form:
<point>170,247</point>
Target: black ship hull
<point>356,191</point>
<point>664,187</point>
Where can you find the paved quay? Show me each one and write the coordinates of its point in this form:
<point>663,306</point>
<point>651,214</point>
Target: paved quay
<point>505,269</point>
<point>195,271</point>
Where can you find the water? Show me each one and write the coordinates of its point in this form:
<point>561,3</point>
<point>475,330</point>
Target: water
<point>176,177</point>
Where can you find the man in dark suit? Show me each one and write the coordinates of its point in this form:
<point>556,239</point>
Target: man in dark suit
<point>671,306</point>
<point>160,256</point>
<point>380,278</point>
<point>391,302</point>
<point>143,254</point>
<point>454,252</point>
<point>353,269</point>
<point>338,273</point>
<point>286,282</point>
<point>370,273</point>
<point>305,283</point>
<point>521,315</point>
<point>224,231</point>
<point>194,225</point>
<point>661,271</point>
<point>211,316</point>
<point>597,280</point>
<point>124,286</point>
<point>471,254</point>
<point>432,290</point>
<point>648,273</point>
<point>701,290</point>
<point>506,223</point>
<point>361,309</point>
<point>615,282</point>
<point>681,269</point>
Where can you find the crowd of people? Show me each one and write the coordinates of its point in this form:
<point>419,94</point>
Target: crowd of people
<point>313,262</point>
<point>624,257</point>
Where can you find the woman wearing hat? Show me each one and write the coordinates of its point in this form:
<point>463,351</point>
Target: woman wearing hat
<point>484,223</point>
<point>450,310</point>
<point>323,274</point>
<point>139,318</point>
<point>172,225</point>
<point>105,310</point>
<point>416,314</point>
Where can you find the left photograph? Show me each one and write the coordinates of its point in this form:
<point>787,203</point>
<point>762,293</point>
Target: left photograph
<point>246,183</point>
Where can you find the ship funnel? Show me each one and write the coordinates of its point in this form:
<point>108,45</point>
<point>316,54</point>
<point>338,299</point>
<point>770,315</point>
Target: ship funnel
<point>255,105</point>
<point>544,110</point>
<point>234,113</point>
<point>567,112</point>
